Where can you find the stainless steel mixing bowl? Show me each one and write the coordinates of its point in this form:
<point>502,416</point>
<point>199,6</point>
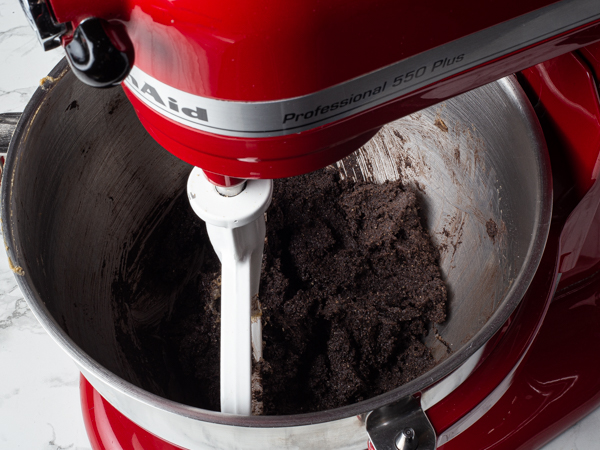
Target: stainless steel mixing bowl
<point>84,184</point>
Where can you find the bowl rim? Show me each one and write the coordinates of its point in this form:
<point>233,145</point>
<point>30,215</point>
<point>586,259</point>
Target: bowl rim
<point>441,370</point>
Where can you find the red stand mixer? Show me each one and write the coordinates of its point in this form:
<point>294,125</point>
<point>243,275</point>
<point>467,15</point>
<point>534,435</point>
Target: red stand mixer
<point>262,90</point>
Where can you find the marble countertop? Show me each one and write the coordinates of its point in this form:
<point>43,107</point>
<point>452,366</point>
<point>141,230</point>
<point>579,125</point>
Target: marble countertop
<point>39,384</point>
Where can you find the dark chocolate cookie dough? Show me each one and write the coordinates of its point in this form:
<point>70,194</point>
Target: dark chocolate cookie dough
<point>350,282</point>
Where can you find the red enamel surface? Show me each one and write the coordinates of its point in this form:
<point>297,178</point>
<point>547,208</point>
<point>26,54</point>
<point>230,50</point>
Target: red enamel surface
<point>108,429</point>
<point>591,54</point>
<point>580,241</point>
<point>269,50</point>
<point>567,91</point>
<point>557,384</point>
<point>567,101</point>
<point>300,153</point>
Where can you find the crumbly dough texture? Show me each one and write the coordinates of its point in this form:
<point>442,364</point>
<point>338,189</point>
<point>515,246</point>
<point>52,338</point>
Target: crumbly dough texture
<point>349,286</point>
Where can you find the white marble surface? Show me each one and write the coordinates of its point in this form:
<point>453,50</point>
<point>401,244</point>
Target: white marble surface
<point>22,61</point>
<point>39,395</point>
<point>39,384</point>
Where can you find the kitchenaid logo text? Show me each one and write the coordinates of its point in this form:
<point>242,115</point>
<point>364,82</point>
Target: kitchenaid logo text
<point>322,110</point>
<point>282,117</point>
<point>298,114</point>
<point>368,96</point>
<point>294,115</point>
<point>150,91</point>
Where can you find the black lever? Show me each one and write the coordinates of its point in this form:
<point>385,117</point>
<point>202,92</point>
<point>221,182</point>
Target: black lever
<point>94,58</point>
<point>40,18</point>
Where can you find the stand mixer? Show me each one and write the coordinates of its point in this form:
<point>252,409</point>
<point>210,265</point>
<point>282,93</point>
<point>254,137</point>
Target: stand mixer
<point>285,93</point>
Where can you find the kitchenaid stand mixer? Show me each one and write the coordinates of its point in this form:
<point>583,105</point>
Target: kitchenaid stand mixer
<point>232,119</point>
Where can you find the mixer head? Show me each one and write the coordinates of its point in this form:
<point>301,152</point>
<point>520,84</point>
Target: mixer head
<point>267,89</point>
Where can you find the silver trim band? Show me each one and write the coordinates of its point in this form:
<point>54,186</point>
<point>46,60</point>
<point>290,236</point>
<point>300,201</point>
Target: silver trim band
<point>289,116</point>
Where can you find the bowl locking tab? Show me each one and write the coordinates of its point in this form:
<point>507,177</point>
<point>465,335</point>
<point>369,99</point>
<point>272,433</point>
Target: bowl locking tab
<point>401,426</point>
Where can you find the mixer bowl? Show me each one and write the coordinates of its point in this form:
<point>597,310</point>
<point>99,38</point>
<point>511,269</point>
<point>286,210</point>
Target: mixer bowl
<point>85,186</point>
